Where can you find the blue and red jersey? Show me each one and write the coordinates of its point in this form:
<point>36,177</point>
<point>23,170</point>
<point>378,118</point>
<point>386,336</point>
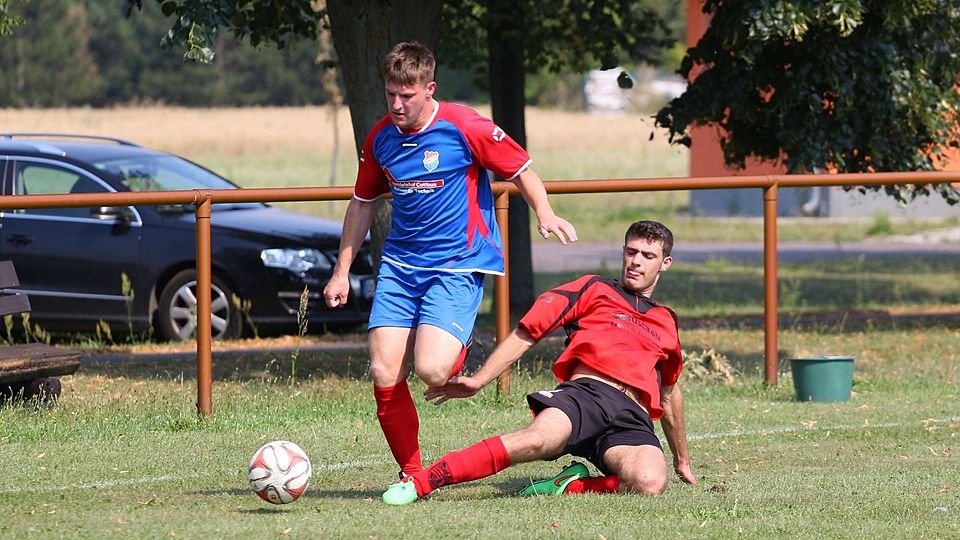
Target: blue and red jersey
<point>616,332</point>
<point>443,214</point>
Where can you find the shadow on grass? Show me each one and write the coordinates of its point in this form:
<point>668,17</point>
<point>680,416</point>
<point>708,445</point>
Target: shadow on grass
<point>235,365</point>
<point>721,287</point>
<point>265,511</point>
<point>313,492</point>
<point>345,494</point>
<point>311,495</point>
<point>350,359</point>
<point>221,492</point>
<point>752,362</point>
<point>345,359</point>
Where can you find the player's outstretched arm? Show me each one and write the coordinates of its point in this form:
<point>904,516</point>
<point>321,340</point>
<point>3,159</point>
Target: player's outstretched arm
<point>675,431</point>
<point>531,187</point>
<point>506,353</point>
<point>356,225</point>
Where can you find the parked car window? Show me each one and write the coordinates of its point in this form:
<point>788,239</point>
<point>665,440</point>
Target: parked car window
<point>167,173</point>
<point>162,173</point>
<point>44,179</point>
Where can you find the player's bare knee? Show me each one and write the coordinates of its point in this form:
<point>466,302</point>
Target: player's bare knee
<point>431,376</point>
<point>643,483</point>
<point>383,374</point>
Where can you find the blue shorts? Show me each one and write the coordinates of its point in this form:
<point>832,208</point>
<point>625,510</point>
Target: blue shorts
<point>408,297</point>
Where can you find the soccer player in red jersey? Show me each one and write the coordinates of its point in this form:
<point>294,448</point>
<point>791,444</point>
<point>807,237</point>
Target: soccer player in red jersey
<point>433,157</point>
<point>618,373</point>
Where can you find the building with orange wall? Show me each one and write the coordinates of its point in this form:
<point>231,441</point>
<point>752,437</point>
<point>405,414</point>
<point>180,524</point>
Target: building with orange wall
<point>706,159</point>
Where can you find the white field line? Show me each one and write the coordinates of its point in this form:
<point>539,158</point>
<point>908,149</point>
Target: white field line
<point>375,461</point>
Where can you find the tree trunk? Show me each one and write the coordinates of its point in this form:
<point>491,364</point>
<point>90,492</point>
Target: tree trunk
<point>506,64</point>
<point>363,32</point>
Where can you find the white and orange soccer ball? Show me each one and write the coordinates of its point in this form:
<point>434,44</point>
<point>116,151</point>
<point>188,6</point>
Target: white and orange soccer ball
<point>279,472</point>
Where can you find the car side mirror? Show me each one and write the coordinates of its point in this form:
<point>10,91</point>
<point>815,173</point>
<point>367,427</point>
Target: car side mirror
<point>121,214</point>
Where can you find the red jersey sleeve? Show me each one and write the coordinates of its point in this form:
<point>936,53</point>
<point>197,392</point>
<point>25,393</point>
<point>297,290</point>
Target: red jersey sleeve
<point>671,367</point>
<point>555,308</point>
<point>490,145</point>
<point>371,181</point>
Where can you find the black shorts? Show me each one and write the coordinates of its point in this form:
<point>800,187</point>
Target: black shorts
<point>602,417</point>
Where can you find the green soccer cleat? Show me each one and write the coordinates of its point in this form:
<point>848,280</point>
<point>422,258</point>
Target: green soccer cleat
<point>557,484</point>
<point>400,493</point>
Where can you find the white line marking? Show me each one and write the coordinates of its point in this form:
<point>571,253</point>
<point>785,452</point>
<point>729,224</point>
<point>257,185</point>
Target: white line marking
<point>377,461</point>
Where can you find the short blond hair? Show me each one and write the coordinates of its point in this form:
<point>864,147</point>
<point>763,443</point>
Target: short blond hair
<point>409,63</point>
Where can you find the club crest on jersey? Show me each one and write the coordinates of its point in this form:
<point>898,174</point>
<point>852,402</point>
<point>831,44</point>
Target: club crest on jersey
<point>431,160</point>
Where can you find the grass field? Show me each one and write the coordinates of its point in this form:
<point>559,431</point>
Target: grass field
<point>123,455</point>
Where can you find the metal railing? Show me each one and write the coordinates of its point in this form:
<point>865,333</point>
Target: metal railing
<point>768,183</point>
<point>203,199</point>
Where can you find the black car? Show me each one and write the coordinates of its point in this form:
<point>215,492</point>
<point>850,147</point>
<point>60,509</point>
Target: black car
<point>134,266</point>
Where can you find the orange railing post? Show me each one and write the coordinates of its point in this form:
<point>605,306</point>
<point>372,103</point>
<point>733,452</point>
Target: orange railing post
<point>204,333</point>
<point>502,205</point>
<point>770,308</point>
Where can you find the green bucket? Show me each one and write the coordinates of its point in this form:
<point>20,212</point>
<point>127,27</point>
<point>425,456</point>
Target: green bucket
<point>824,378</point>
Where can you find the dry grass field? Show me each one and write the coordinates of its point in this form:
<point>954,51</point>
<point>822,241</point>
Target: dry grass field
<point>310,146</point>
<point>231,132</point>
<point>564,145</point>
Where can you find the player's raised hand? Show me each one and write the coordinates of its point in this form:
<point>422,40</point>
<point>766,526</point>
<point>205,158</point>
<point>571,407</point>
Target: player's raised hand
<point>457,387</point>
<point>558,226</point>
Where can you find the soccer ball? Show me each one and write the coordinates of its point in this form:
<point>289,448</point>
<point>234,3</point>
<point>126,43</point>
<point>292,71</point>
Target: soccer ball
<point>279,472</point>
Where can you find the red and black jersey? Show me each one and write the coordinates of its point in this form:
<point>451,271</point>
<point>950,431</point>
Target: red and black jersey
<point>616,332</point>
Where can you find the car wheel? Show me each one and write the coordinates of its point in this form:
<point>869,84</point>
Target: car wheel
<point>177,312</point>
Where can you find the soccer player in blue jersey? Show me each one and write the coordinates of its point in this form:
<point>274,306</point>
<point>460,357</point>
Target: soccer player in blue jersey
<point>433,157</point>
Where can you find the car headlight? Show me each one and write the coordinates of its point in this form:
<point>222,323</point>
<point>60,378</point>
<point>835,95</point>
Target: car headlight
<point>296,260</point>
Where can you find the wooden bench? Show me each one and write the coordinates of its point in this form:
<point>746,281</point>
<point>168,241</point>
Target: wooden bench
<point>31,370</point>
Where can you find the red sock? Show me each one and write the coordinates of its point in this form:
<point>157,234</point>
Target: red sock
<point>594,484</point>
<point>401,426</point>
<point>483,459</point>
